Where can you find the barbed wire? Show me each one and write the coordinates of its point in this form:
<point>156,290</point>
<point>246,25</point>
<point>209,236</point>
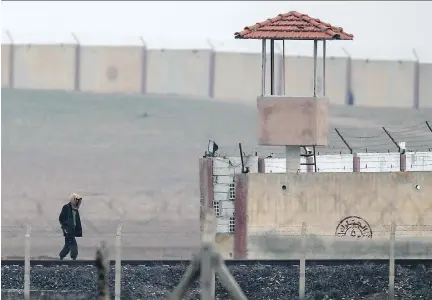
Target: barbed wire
<point>419,141</point>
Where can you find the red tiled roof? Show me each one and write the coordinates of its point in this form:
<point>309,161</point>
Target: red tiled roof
<point>293,26</point>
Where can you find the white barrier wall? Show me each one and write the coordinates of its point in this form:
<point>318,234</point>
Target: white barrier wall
<point>383,83</point>
<point>5,65</point>
<point>233,76</point>
<point>110,69</point>
<point>425,92</point>
<point>44,67</point>
<point>369,162</point>
<point>179,72</point>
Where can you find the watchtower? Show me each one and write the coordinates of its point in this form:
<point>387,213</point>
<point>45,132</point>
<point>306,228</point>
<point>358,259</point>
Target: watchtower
<point>293,121</point>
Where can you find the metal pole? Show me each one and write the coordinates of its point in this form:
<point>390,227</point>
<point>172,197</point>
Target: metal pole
<point>272,63</point>
<point>283,67</point>
<point>302,281</point>
<point>324,69</point>
<point>392,261</point>
<point>118,262</point>
<point>263,66</point>
<point>27,264</point>
<point>315,66</point>
<point>207,274</point>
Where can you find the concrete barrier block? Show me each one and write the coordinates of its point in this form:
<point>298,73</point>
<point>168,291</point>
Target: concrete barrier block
<point>44,67</point>
<point>179,72</point>
<point>425,92</point>
<point>5,64</point>
<point>111,69</point>
<point>383,83</point>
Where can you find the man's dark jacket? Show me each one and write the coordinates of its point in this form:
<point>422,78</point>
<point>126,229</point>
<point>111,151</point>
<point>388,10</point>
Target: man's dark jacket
<point>66,222</point>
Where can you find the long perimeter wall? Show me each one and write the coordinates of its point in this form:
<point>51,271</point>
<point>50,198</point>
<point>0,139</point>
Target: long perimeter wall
<point>205,73</point>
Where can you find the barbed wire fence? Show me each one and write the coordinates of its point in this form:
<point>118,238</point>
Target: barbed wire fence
<point>417,138</point>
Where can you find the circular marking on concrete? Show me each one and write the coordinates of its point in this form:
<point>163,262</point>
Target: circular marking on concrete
<point>355,227</point>
<point>112,73</point>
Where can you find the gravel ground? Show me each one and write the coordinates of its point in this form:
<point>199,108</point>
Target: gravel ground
<point>258,282</point>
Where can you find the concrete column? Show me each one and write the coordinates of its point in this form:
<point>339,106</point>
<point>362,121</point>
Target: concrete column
<point>292,154</point>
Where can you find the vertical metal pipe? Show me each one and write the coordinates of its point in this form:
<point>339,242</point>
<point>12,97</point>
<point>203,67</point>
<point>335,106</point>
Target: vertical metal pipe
<point>263,66</point>
<point>27,264</point>
<point>391,288</point>
<point>324,69</point>
<point>315,66</point>
<point>302,279</point>
<point>283,67</point>
<point>272,63</point>
<point>118,263</point>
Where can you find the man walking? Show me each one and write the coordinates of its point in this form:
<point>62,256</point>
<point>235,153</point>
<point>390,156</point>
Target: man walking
<point>71,225</point>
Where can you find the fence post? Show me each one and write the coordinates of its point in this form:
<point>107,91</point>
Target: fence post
<point>302,281</point>
<point>118,262</point>
<point>207,270</point>
<point>392,260</point>
<point>102,266</point>
<point>27,263</point>
<point>356,163</point>
<point>402,159</point>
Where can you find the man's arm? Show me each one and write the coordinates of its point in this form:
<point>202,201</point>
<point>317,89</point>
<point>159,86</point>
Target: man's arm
<point>63,216</point>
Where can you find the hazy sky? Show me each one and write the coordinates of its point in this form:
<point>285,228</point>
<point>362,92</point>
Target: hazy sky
<point>381,29</point>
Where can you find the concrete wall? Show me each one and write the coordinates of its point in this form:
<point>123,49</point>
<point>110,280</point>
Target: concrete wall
<point>111,69</point>
<point>238,76</point>
<point>179,72</point>
<point>383,83</point>
<point>425,90</point>
<point>278,204</point>
<point>299,78</point>
<point>5,64</point>
<point>44,66</point>
<point>201,73</point>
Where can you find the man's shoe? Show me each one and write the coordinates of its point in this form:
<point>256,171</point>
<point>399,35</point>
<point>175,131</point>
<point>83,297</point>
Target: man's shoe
<point>61,258</point>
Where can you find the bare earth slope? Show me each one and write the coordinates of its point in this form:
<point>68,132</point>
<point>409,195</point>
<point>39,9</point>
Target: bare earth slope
<point>133,158</point>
